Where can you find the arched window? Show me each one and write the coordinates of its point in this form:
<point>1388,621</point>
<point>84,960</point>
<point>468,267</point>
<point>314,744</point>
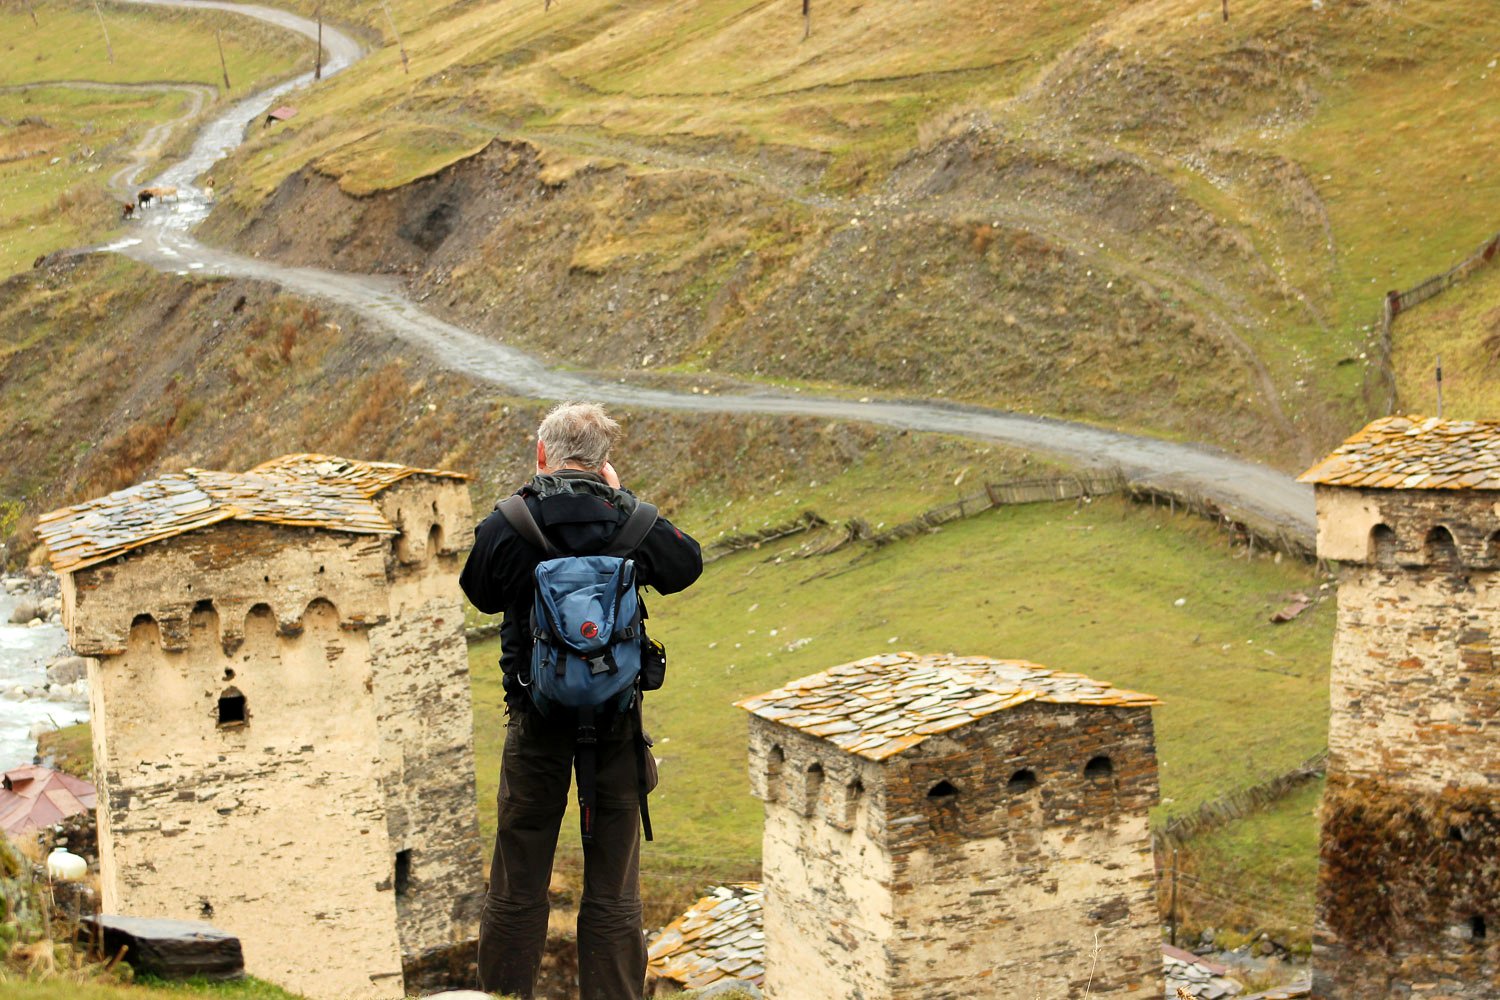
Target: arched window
<point>854,793</point>
<point>775,759</point>
<point>233,710</point>
<point>1477,929</point>
<point>1099,768</point>
<point>434,541</point>
<point>943,791</point>
<point>1440,549</point>
<point>1382,545</point>
<point>1023,780</point>
<point>812,788</point>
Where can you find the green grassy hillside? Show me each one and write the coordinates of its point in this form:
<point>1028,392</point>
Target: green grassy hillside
<point>62,147</point>
<point>1130,213</point>
<point>1089,588</point>
<point>1462,326</point>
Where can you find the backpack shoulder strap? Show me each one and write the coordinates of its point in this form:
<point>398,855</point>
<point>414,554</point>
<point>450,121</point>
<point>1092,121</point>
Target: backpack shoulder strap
<point>519,515</point>
<point>634,531</point>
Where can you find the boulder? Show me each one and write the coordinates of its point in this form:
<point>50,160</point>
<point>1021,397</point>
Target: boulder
<point>172,949</point>
<point>25,610</point>
<point>67,670</point>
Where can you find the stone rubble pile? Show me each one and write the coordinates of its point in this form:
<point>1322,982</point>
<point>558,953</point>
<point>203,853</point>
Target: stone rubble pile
<point>1202,980</point>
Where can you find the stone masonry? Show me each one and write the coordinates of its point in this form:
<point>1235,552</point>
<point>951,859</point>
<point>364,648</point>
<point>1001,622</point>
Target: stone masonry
<point>1409,876</point>
<point>282,723</point>
<point>943,827</point>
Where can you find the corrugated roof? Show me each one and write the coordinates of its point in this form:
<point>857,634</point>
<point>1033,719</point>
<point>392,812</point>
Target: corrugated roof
<point>879,706</point>
<point>316,491</point>
<point>34,797</point>
<point>1415,453</point>
<point>719,937</point>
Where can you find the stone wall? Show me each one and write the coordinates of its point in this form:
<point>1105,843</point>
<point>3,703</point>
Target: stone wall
<point>1414,765</point>
<point>336,829</point>
<point>827,876</point>
<point>1407,891</point>
<point>426,721</point>
<point>1003,859</point>
<point>275,829</point>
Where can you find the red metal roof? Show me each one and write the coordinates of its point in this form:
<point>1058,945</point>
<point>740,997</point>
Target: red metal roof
<point>282,113</point>
<point>34,797</point>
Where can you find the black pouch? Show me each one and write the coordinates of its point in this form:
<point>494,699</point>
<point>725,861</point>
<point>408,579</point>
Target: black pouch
<point>653,664</point>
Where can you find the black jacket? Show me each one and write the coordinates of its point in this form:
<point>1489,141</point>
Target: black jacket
<point>580,513</point>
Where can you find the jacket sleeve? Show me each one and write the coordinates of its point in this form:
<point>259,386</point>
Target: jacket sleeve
<point>669,559</point>
<point>497,574</point>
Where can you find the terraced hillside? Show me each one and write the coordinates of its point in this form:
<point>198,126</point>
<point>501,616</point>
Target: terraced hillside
<point>1130,213</point>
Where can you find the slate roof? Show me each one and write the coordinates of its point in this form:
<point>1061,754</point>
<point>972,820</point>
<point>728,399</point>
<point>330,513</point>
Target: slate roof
<point>879,706</point>
<point>316,491</point>
<point>721,937</point>
<point>34,797</point>
<point>1415,453</point>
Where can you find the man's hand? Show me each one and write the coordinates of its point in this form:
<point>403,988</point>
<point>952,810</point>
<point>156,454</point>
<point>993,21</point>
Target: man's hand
<point>610,476</point>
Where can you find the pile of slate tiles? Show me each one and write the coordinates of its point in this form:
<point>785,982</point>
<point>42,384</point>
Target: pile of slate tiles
<point>719,937</point>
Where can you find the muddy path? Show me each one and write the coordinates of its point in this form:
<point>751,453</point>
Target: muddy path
<point>164,240</point>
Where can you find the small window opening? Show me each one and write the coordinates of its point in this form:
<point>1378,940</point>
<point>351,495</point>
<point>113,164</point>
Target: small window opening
<point>232,711</point>
<point>1442,550</point>
<point>942,790</point>
<point>403,871</point>
<point>434,540</point>
<point>1477,929</point>
<point>321,568</point>
<point>229,673</point>
<point>205,909</point>
<point>853,792</point>
<point>813,788</point>
<point>1383,545</point>
<point>1456,834</point>
<point>1023,780</point>
<point>1098,768</point>
<point>774,760</point>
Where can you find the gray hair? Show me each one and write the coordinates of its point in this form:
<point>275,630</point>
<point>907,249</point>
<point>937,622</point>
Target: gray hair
<point>581,433</point>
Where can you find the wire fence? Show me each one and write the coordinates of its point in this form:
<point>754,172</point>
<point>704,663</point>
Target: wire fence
<point>1380,378</point>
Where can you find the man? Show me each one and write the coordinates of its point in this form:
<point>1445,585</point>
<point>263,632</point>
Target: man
<point>577,501</point>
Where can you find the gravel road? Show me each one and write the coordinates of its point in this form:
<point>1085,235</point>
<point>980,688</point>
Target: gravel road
<point>164,240</point>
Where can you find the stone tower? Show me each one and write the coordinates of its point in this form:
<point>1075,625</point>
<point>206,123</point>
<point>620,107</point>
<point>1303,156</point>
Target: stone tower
<point>1409,884</point>
<point>283,740</point>
<point>943,827</point>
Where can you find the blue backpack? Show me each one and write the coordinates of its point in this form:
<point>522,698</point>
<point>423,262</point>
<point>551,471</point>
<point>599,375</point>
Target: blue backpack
<point>588,637</point>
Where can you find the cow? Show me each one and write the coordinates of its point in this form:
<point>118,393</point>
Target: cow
<point>150,194</point>
<point>127,211</point>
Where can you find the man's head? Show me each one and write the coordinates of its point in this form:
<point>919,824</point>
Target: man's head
<point>575,436</point>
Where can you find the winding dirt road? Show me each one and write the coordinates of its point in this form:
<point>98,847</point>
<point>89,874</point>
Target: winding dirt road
<point>164,240</point>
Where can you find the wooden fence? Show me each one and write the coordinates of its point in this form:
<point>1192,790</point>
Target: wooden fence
<point>1021,491</point>
<point>1380,379</point>
<point>1238,804</point>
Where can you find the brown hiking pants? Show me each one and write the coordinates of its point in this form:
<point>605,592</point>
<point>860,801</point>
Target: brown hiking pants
<point>535,775</point>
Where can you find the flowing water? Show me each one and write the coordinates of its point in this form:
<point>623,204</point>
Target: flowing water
<point>24,653</point>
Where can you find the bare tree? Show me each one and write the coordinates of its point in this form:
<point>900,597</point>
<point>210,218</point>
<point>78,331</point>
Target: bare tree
<point>807,18</point>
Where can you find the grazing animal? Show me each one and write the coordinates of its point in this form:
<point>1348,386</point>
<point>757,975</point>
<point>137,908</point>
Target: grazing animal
<point>127,210</point>
<point>150,194</point>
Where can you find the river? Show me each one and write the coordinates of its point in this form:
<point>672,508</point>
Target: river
<point>24,654</point>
